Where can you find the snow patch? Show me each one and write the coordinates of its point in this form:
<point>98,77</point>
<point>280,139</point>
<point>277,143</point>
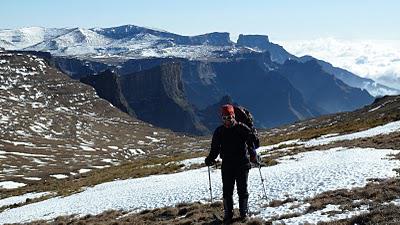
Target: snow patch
<point>374,109</point>
<point>16,143</point>
<point>32,178</point>
<point>10,185</point>
<point>87,148</point>
<point>21,198</point>
<point>84,170</point>
<point>23,154</point>
<point>136,151</point>
<point>152,139</point>
<point>59,176</point>
<point>107,160</point>
<point>193,161</point>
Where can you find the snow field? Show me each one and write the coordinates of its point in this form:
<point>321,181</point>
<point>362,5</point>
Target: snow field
<point>304,176</point>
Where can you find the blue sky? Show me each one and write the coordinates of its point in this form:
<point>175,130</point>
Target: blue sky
<point>280,19</point>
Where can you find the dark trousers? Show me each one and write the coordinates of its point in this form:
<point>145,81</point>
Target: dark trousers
<point>232,173</point>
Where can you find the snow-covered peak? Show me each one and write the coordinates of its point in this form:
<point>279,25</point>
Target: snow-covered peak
<point>80,35</point>
<point>120,32</point>
<point>126,41</point>
<point>77,41</point>
<point>27,36</point>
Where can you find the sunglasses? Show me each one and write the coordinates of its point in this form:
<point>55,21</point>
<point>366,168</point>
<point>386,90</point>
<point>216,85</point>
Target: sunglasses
<point>227,117</point>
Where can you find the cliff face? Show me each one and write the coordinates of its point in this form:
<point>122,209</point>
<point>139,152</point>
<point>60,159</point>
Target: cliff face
<point>216,39</point>
<point>254,41</point>
<point>107,87</point>
<point>155,96</point>
<point>262,43</point>
<point>177,95</point>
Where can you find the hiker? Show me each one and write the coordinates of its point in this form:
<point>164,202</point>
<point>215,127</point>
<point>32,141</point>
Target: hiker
<point>233,141</point>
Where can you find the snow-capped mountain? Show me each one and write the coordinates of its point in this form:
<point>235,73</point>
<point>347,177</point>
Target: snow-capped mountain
<point>134,42</point>
<point>125,41</point>
<point>77,41</point>
<point>25,37</point>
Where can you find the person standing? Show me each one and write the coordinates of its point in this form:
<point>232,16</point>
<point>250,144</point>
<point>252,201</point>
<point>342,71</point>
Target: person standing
<point>233,141</point>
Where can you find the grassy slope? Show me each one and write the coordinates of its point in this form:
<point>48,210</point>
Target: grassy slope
<point>338,123</point>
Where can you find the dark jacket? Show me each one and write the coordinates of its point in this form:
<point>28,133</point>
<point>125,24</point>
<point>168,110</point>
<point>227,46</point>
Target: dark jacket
<point>233,144</point>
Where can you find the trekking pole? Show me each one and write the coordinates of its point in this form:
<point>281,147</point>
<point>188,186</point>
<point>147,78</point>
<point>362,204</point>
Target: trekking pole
<point>209,181</point>
<point>262,180</point>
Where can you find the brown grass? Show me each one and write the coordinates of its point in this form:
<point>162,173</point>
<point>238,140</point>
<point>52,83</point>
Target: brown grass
<point>194,213</point>
<point>277,203</point>
<point>382,214</point>
<point>374,193</point>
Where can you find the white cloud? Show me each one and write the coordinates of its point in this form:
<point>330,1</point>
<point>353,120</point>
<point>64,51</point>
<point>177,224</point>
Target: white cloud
<point>375,59</point>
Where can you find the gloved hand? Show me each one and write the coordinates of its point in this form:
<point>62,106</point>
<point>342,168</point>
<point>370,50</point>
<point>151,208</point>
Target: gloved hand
<point>209,161</point>
<point>255,159</point>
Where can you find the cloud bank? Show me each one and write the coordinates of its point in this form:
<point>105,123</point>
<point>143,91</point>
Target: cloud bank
<point>375,59</point>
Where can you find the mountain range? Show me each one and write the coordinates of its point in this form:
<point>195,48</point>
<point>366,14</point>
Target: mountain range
<point>131,41</point>
<point>135,68</point>
<point>267,89</point>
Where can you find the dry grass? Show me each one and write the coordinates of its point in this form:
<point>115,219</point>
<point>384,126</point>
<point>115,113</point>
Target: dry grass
<point>382,214</point>
<point>388,141</point>
<point>182,214</point>
<point>269,161</point>
<point>277,203</point>
<point>376,192</point>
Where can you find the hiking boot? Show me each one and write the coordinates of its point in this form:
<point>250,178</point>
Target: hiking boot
<point>227,219</point>
<point>228,210</point>
<point>243,208</point>
<point>243,218</point>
